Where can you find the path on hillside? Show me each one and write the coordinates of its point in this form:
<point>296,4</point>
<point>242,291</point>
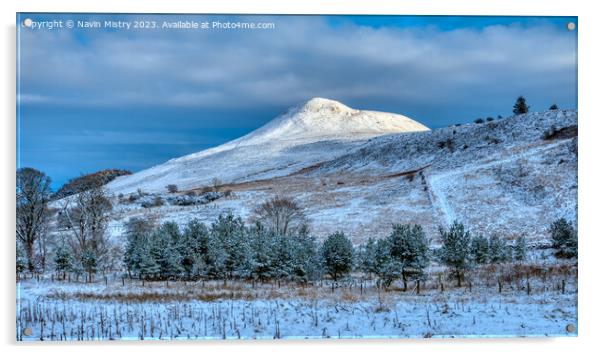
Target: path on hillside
<point>439,182</point>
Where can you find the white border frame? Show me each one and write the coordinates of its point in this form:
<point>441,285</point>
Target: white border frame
<point>589,167</point>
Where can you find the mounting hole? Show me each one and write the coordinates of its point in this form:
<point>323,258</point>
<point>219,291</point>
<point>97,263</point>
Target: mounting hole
<point>571,26</point>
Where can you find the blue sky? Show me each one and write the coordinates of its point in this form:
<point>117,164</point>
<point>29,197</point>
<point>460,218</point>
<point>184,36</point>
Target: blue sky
<point>102,98</point>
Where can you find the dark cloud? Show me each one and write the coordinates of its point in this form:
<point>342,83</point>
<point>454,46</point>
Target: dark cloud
<point>436,76</point>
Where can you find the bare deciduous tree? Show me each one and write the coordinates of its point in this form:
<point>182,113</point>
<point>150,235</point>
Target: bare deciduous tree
<point>86,216</point>
<point>33,193</point>
<point>282,215</point>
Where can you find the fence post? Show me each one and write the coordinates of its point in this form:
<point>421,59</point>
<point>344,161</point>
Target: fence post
<point>563,285</point>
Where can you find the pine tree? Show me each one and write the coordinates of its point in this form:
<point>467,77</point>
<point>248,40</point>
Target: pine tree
<point>480,249</point>
<point>215,261</point>
<point>283,257</point>
<point>386,267</point>
<point>564,238</point>
<point>367,257</point>
<point>165,250</point>
<point>148,268</point>
<point>409,248</point>
<point>455,250</point>
<point>262,248</point>
<point>337,253</point>
<point>520,249</point>
<point>499,251</point>
<point>77,269</point>
<point>193,248</point>
<point>229,234</point>
<point>520,107</point>
<point>306,264</point>
<point>89,262</point>
<point>553,107</point>
<point>138,235</point>
<point>63,261</point>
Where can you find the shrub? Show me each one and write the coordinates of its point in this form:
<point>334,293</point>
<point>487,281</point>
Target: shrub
<point>550,132</point>
<point>449,143</point>
<point>155,202</point>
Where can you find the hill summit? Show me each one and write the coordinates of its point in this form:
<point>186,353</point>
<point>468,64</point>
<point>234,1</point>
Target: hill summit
<point>312,132</point>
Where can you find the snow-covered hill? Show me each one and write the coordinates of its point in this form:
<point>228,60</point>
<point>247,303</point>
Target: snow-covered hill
<point>508,177</point>
<point>315,131</point>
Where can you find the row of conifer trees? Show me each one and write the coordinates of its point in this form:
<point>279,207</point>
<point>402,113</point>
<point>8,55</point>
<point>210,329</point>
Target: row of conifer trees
<point>228,249</point>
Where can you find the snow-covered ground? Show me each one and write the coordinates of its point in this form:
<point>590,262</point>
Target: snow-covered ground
<point>55,311</point>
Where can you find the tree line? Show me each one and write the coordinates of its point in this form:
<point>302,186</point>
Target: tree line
<point>277,245</point>
<point>228,249</point>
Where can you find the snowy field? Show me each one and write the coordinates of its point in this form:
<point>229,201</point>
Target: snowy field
<point>241,310</point>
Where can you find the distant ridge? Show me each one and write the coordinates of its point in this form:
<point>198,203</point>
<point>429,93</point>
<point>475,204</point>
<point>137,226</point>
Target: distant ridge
<point>85,182</point>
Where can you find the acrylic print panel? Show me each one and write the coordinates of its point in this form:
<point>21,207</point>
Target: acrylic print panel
<point>185,177</point>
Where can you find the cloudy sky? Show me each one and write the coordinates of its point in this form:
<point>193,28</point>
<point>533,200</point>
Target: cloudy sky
<point>113,98</point>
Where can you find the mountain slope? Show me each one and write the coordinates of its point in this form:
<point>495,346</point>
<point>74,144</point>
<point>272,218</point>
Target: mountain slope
<point>507,177</point>
<point>313,132</point>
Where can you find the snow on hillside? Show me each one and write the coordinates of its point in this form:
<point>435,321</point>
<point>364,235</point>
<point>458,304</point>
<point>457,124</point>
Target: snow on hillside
<point>507,177</point>
<point>503,176</point>
<point>318,130</point>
